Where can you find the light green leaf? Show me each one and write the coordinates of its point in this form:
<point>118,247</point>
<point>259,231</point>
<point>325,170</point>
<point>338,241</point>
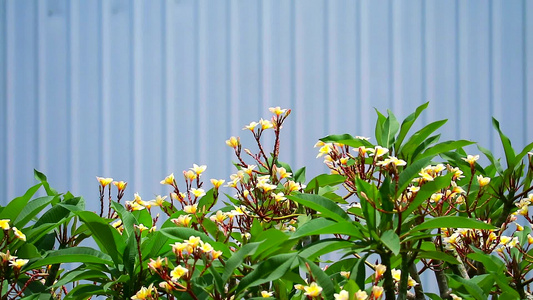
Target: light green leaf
<point>391,240</point>
<point>452,222</point>
<point>71,255</point>
<point>269,270</point>
<point>445,147</point>
<point>407,123</point>
<point>325,206</point>
<point>324,226</point>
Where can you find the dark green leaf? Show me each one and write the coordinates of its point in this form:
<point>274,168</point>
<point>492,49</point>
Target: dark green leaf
<point>407,123</point>
<point>506,143</point>
<point>452,222</point>
<point>326,207</point>
<point>269,270</point>
<point>391,240</point>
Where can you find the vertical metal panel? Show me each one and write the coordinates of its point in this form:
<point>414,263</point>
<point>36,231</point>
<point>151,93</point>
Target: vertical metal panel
<point>3,102</point>
<point>528,68</point>
<point>474,75</point>
<point>442,63</point>
<point>310,80</point>
<point>136,89</point>
<point>22,96</point>
<point>54,84</point>
<point>376,73</point>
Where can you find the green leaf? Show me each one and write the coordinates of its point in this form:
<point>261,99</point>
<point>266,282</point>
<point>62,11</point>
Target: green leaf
<point>207,201</point>
<point>490,156</point>
<point>128,220</point>
<point>438,255</point>
<point>85,291</point>
<point>426,191</point>
<point>107,237</point>
<point>409,173</point>
<point>32,209</point>
<point>424,145</point>
<point>379,127</point>
<point>407,123</point>
<point>521,155</point>
<point>15,206</point>
<point>299,176</point>
<point>390,128</point>
<point>81,274</point>
<point>326,207</point>
<point>324,180</point>
<point>473,289</point>
<point>71,255</point>
<point>418,138</point>
<point>433,296</point>
<point>325,226</point>
<point>358,271</point>
<point>267,271</point>
<point>347,140</point>
<point>322,247</point>
<point>452,222</point>
<point>183,233</point>
<point>368,192</point>
<point>321,278</point>
<point>391,240</point>
<point>506,143</point>
<point>491,263</point>
<point>445,147</point>
<point>237,258</point>
<point>42,178</point>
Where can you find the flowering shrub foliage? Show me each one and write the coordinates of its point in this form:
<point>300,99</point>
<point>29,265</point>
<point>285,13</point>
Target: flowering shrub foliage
<point>407,202</point>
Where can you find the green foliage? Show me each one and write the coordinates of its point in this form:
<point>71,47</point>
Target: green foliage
<point>388,211</point>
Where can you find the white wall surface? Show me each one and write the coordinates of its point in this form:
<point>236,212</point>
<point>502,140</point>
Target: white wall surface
<point>135,90</point>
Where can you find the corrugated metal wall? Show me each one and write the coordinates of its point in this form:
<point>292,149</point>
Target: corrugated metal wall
<point>135,90</point>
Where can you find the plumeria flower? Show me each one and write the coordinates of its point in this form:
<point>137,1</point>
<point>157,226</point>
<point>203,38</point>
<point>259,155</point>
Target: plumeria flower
<point>178,272</point>
<point>142,294</point>
<point>265,124</point>
<point>4,224</point>
<point>18,263</point>
<point>183,220</point>
<point>377,291</point>
<point>312,290</point>
<point>141,227</point>
<point>104,181</point>
<point>217,183</point>
<point>277,110</point>
<point>191,209</point>
<point>168,180</point>
<point>18,234</point>
<point>233,142</point>
<point>362,137</point>
<point>219,217</point>
<point>155,264</point>
<point>159,201</point>
<point>471,159</point>
<point>361,295</point>
<point>251,126</point>
<point>378,151</point>
<point>483,181</point>
<point>198,192</point>
<point>380,270</point>
<point>283,173</point>
<point>345,274</point>
<point>206,247</point>
<point>216,254</point>
<point>279,196</point>
<point>325,149</point>
<point>190,175</point>
<point>343,295</point>
<point>121,185</point>
<point>455,297</point>
<point>392,161</point>
<point>266,294</point>
<point>193,241</point>
<point>198,169</point>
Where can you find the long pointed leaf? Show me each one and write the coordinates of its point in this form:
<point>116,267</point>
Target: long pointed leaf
<point>407,123</point>
<point>506,143</point>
